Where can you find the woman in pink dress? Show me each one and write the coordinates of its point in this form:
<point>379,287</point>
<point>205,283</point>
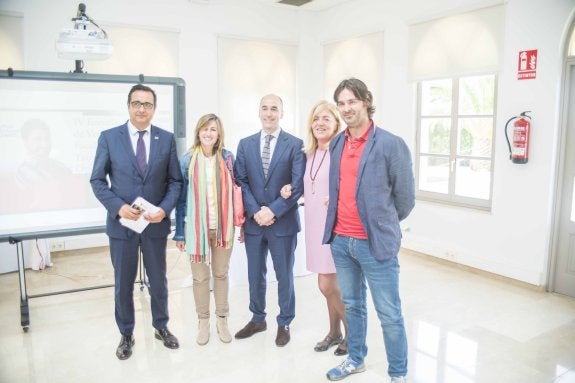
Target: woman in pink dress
<point>323,124</point>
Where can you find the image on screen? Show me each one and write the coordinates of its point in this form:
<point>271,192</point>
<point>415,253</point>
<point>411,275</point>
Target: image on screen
<point>49,131</point>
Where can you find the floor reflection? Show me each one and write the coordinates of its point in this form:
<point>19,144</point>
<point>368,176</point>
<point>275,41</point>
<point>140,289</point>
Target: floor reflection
<point>462,327</point>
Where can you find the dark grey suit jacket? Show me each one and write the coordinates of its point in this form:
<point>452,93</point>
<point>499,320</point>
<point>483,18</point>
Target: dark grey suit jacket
<point>161,185</point>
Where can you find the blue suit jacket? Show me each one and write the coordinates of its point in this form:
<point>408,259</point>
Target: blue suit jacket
<point>384,192</point>
<point>161,185</point>
<point>287,166</point>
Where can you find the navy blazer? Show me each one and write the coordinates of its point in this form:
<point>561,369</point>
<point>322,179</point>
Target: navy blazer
<point>287,166</point>
<point>384,192</point>
<point>161,185</point>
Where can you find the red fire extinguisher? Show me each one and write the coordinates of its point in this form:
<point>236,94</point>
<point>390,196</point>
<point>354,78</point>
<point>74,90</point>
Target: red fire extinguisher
<point>519,149</point>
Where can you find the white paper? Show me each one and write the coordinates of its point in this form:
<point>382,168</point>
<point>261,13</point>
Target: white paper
<point>145,208</point>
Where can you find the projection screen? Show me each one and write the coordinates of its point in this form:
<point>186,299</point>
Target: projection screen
<point>49,128</point>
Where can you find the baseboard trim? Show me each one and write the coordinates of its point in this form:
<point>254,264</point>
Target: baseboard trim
<point>473,270</point>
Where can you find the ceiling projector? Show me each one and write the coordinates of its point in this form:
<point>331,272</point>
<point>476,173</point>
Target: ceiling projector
<point>83,44</point>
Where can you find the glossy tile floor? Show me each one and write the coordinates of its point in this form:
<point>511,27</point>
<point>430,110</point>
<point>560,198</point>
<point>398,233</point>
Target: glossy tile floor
<point>462,327</point>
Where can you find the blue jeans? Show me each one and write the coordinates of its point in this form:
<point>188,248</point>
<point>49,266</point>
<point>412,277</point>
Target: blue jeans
<point>355,265</point>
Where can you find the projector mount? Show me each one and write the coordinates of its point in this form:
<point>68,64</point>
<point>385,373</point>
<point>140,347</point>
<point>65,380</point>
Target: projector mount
<point>82,20</point>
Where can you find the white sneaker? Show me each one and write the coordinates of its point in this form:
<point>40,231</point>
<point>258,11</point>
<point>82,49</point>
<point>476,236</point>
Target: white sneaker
<point>398,379</point>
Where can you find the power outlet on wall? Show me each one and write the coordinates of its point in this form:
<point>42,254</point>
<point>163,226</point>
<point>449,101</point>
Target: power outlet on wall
<point>57,246</point>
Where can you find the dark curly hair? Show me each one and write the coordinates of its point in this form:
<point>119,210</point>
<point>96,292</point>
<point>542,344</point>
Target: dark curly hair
<point>359,89</point>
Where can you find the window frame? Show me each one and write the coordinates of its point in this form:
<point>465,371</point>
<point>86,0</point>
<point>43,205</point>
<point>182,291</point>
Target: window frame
<point>450,198</point>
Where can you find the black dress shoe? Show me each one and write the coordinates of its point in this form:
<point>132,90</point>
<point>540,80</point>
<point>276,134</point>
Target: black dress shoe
<point>283,336</point>
<point>124,350</point>
<point>170,341</point>
<point>250,329</point>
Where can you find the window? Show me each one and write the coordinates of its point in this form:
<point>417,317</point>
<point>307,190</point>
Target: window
<point>454,158</point>
<point>11,41</point>
<point>571,49</point>
<point>247,71</point>
<point>160,57</point>
<point>340,62</point>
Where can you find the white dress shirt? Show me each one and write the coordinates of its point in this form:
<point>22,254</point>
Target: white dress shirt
<point>134,139</point>
<point>272,142</point>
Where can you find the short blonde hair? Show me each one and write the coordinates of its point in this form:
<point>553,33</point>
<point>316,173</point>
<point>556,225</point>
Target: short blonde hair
<point>202,123</point>
<point>311,142</point>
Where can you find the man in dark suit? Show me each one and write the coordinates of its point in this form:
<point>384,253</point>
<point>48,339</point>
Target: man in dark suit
<point>140,160</point>
<point>265,162</point>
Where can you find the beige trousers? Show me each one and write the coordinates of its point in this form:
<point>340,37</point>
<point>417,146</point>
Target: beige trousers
<point>201,287</point>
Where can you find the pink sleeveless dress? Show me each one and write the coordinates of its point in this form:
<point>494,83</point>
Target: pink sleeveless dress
<point>316,190</point>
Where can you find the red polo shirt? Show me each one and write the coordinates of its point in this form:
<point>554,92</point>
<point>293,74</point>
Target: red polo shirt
<point>348,222</point>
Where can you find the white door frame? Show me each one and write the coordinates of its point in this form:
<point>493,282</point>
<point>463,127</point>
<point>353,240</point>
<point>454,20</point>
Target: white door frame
<point>566,94</point>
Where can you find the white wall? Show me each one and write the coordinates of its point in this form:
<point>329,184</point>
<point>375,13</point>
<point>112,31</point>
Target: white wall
<point>513,239</point>
<point>199,25</point>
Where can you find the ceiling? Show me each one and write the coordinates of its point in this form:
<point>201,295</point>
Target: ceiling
<point>313,5</point>
<point>308,5</point>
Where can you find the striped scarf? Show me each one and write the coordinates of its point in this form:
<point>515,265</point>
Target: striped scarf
<point>197,212</point>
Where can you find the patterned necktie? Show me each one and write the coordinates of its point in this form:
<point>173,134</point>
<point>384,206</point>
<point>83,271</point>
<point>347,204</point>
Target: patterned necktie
<point>141,153</point>
<point>266,154</point>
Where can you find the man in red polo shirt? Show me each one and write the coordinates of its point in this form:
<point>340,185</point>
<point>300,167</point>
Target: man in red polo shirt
<point>371,190</point>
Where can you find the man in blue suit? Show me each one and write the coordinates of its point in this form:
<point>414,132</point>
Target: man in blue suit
<point>371,189</point>
<point>140,160</point>
<point>266,161</point>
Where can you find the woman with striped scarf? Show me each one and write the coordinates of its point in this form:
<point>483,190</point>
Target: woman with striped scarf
<point>204,222</point>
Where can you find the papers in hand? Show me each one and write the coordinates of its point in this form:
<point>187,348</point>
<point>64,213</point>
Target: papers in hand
<point>145,208</point>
